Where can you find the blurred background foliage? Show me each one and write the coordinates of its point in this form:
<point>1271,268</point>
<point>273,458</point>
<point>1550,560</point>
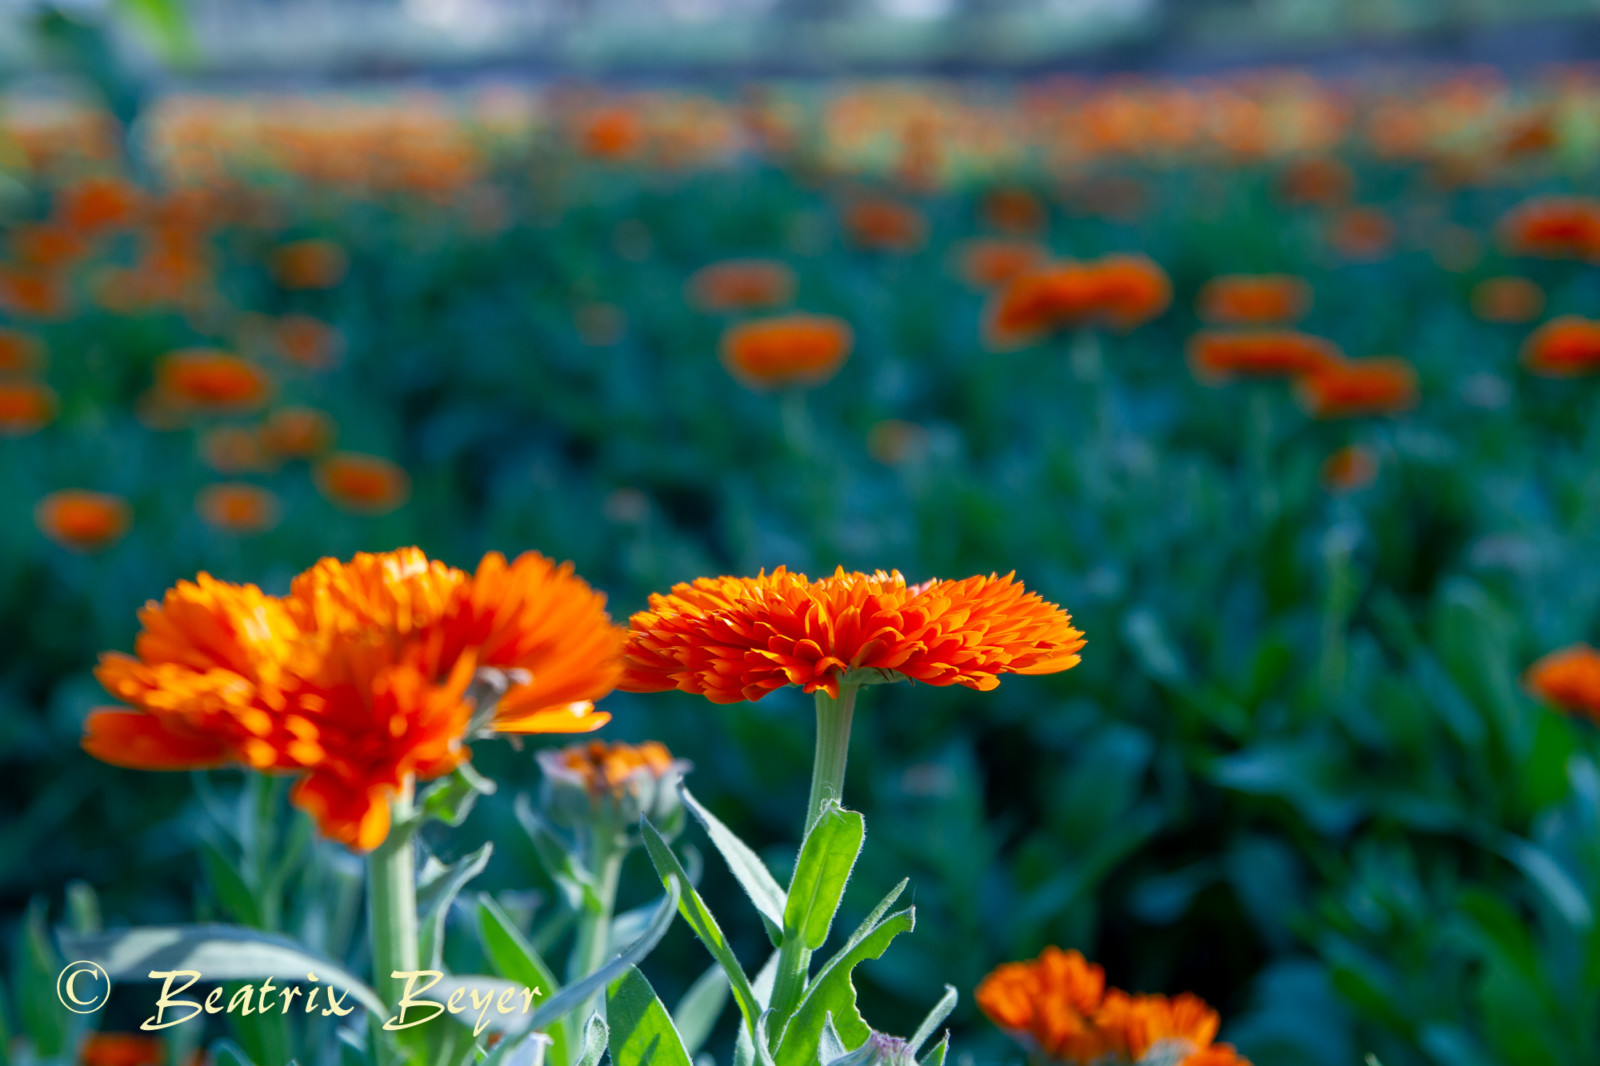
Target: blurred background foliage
<point>1296,772</point>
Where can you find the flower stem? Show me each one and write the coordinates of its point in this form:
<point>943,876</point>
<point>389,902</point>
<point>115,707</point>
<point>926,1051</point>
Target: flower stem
<point>392,901</point>
<point>589,949</point>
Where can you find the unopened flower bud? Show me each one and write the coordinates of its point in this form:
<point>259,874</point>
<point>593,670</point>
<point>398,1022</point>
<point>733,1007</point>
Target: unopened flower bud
<point>596,783</point>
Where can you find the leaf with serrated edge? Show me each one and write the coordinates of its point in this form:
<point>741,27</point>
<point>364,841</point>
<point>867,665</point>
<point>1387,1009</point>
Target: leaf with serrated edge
<point>832,991</point>
<point>694,911</point>
<point>820,874</point>
<point>941,1010</point>
<point>746,866</point>
<point>697,1012</point>
<point>641,1030</point>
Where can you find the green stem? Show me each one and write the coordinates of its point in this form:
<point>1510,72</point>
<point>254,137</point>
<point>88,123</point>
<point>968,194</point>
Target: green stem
<point>589,949</point>
<point>392,902</point>
<point>827,784</point>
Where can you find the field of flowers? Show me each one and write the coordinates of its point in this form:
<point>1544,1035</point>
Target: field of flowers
<point>1284,389</point>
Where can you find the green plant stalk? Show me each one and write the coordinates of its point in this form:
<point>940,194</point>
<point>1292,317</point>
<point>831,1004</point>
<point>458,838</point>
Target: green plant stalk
<point>392,905</point>
<point>603,853</point>
<point>827,783</point>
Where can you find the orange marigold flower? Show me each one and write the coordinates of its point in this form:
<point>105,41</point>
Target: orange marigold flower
<point>612,133</point>
<point>1135,1024</point>
<point>98,203</point>
<point>1360,387</point>
<point>1361,233</point>
<point>236,507</point>
<point>1253,299</point>
<point>1049,1003</point>
<point>737,284</point>
<point>603,767</point>
<point>82,520</point>
<point>19,352</point>
<point>793,349</point>
<point>1349,469</point>
<point>1569,678</point>
<point>307,341</point>
<point>1317,180</point>
<point>364,484</point>
<point>310,264</point>
<point>211,380</point>
<point>884,225</point>
<point>25,407</point>
<point>732,639</point>
<point>1217,356</point>
<point>1216,1055</point>
<point>1564,347</point>
<point>1553,227</point>
<point>122,1049</point>
<point>1122,291</point>
<point>1015,211</point>
<point>990,262</point>
<point>1507,300</point>
<point>298,432</point>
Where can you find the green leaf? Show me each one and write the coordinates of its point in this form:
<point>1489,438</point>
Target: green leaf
<point>514,958</point>
<point>830,1046</point>
<point>221,952</point>
<point>641,1032</point>
<point>438,896</point>
<point>697,1012</point>
<point>941,1010</point>
<point>700,920</point>
<point>833,993</point>
<point>83,908</point>
<point>38,967</point>
<point>576,884</point>
<point>820,874</point>
<point>936,1056</point>
<point>229,887</point>
<point>747,867</point>
<point>227,1053</point>
<point>450,800</point>
<point>595,1036</point>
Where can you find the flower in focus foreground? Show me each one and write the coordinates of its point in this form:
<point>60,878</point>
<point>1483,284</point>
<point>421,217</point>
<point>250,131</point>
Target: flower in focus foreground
<point>796,349</point>
<point>1058,1005</point>
<point>368,674</point>
<point>1570,679</point>
<point>1253,299</point>
<point>1563,347</point>
<point>731,639</point>
<point>1121,291</point>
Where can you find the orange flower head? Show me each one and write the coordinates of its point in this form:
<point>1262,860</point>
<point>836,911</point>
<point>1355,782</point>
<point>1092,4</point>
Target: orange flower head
<point>1363,234</point>
<point>96,204</point>
<point>883,225</point>
<point>82,520</point>
<point>1569,679</point>
<point>1216,1055</point>
<point>122,1049</point>
<point>1564,347</point>
<point>1120,290</point>
<point>1049,1003</point>
<point>612,133</point>
<point>20,353</point>
<point>1134,1025</point>
<point>604,768</point>
<point>25,407</point>
<point>732,639</point>
<point>988,263</point>
<point>310,264</point>
<point>1133,290</point>
<point>1507,300</point>
<point>1358,388</point>
<point>788,350</point>
<point>1014,211</point>
<point>1253,300</point>
<point>740,284</point>
<point>1553,227</point>
<point>212,381</point>
<point>239,508</point>
<point>298,432</point>
<point>1349,469</point>
<point>1217,356</point>
<point>307,341</point>
<point>362,484</point>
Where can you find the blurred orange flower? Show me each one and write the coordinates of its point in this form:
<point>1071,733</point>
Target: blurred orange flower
<point>212,381</point>
<point>1349,469</point>
<point>737,284</point>
<point>1136,1024</point>
<point>29,293</point>
<point>1217,356</point>
<point>1355,388</point>
<point>1507,300</point>
<point>604,767</point>
<point>1363,234</point>
<point>731,639</point>
<point>363,484</point>
<point>25,407</point>
<point>1564,347</point>
<point>1253,299</point>
<point>1049,1003</point>
<point>1015,211</point>
<point>234,450</point>
<point>612,133</point>
<point>792,349</point>
<point>19,352</point>
<point>298,432</point>
<point>986,263</point>
<point>48,245</point>
<point>82,520</point>
<point>307,341</point>
<point>99,203</point>
<point>1553,227</point>
<point>1122,291</point>
<point>310,264</point>
<point>884,225</point>
<point>236,507</point>
<point>122,1049</point>
<point>1317,180</point>
<point>1569,679</point>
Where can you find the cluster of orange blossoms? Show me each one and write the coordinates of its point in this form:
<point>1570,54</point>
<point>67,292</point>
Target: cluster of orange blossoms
<point>1569,679</point>
<point>1327,384</point>
<point>731,639</point>
<point>26,405</point>
<point>364,676</point>
<point>1120,291</point>
<point>1564,347</point>
<point>1059,1005</point>
<point>1554,227</point>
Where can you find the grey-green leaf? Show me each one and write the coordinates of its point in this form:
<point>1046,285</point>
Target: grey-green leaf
<point>941,1010</point>
<point>700,920</point>
<point>833,993</point>
<point>441,897</point>
<point>641,1031</point>
<point>940,1050</point>
<point>512,957</point>
<point>746,866</point>
<point>821,873</point>
<point>595,1036</point>
<point>697,1012</point>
